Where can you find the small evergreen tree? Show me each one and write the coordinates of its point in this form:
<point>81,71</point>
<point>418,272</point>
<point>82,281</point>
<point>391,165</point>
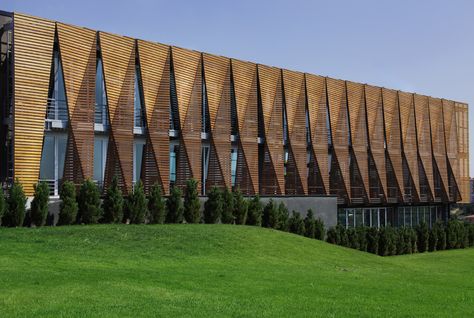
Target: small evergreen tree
<point>343,239</point>
<point>413,240</point>
<point>39,205</point>
<point>383,242</point>
<point>68,206</point>
<point>270,215</point>
<point>452,234</point>
<point>296,223</point>
<point>89,203</point>
<point>213,206</point>
<point>113,203</point>
<point>362,238</point>
<point>333,236</point>
<point>137,204</point>
<point>156,205</point>
<point>465,235</point>
<point>422,233</point>
<point>441,242</point>
<point>319,230</point>
<point>3,204</point>
<point>174,206</point>
<point>255,211</point>
<point>16,203</point>
<point>227,216</point>
<point>471,235</point>
<point>240,208</point>
<point>353,239</point>
<point>283,217</point>
<point>192,206</point>
<point>310,224</point>
<point>373,240</point>
<point>433,238</point>
<point>400,241</point>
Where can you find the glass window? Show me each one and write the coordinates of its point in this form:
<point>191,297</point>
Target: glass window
<point>205,166</point>
<point>47,159</point>
<point>100,158</point>
<point>375,217</point>
<point>233,165</point>
<point>137,102</point>
<point>382,216</point>
<point>350,217</point>
<point>359,217</point>
<point>62,145</point>
<point>367,218</point>
<point>52,160</point>
<point>341,217</point>
<point>173,164</point>
<point>100,96</point>
<point>138,146</point>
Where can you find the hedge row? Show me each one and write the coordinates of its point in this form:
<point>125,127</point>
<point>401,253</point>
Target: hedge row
<point>397,241</point>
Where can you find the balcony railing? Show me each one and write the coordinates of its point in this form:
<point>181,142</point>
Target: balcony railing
<point>56,110</point>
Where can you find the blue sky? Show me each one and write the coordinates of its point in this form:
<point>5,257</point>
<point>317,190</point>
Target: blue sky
<point>417,46</point>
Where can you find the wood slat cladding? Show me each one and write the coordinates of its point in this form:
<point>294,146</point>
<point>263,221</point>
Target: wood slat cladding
<point>155,62</point>
<point>422,114</point>
<point>339,126</point>
<point>451,138</point>
<point>295,102</point>
<point>217,74</point>
<point>77,47</point>
<point>118,58</point>
<point>375,120</point>
<point>463,151</point>
<point>393,136</point>
<point>410,148</point>
<point>246,97</point>
<point>317,109</point>
<point>437,139</point>
<point>33,52</point>
<point>273,179</point>
<point>188,76</point>
<point>358,126</point>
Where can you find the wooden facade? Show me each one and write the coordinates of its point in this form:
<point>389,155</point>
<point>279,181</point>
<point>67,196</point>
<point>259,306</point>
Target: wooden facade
<point>294,133</point>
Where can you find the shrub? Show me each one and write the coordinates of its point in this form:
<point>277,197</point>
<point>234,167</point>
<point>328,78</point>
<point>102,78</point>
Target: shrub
<point>174,206</point>
<point>213,206</point>
<point>3,204</point>
<point>343,240</point>
<point>407,240</point>
<point>387,241</point>
<point>113,203</point>
<point>401,245</point>
<point>455,234</point>
<point>471,235</point>
<point>319,230</point>
<point>353,239</point>
<point>333,236</point>
<point>15,213</point>
<point>227,216</point>
<point>240,208</point>
<point>373,240</point>
<point>422,233</point>
<point>433,238</point>
<point>39,205</point>
<point>296,223</point>
<point>156,205</point>
<point>255,211</point>
<point>137,204</point>
<point>413,240</point>
<point>309,224</point>
<point>362,238</point>
<point>68,206</point>
<point>283,218</point>
<point>441,241</point>
<point>465,236</point>
<point>192,206</point>
<point>271,215</point>
<point>89,203</point>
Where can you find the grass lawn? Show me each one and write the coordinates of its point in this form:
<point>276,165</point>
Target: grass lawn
<point>220,270</point>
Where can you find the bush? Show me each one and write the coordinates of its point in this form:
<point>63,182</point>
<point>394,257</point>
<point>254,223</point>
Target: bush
<point>283,218</point>
<point>89,203</point>
<point>333,236</point>
<point>296,223</point>
<point>137,204</point>
<point>471,235</point>
<point>465,235</point>
<point>387,241</point>
<point>227,216</point>
<point>174,206</point>
<point>413,240</point>
<point>255,211</point>
<point>401,245</point>
<point>353,239</point>
<point>433,238</point>
<point>309,224</point>
<point>422,233</point>
<point>372,240</point>
<point>113,203</point>
<point>362,238</point>
<point>441,241</point>
<point>39,205</point>
<point>240,208</point>
<point>271,215</point>
<point>192,206</point>
<point>3,204</point>
<point>15,213</point>
<point>454,234</point>
<point>213,206</point>
<point>319,230</point>
<point>342,234</point>
<point>68,206</point>
<point>156,205</point>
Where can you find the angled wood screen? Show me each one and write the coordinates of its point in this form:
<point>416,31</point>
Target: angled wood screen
<point>33,50</point>
<point>295,103</point>
<point>339,127</point>
<point>217,74</point>
<point>451,138</point>
<point>317,114</point>
<point>118,58</point>
<point>437,139</point>
<point>245,87</point>
<point>272,175</point>
<point>78,52</point>
<point>188,77</point>
<point>155,74</point>
<point>463,151</point>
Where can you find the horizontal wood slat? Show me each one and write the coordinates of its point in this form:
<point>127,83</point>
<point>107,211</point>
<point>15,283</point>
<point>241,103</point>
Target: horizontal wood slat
<point>437,139</point>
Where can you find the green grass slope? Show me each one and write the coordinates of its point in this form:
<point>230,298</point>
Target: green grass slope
<point>219,270</point>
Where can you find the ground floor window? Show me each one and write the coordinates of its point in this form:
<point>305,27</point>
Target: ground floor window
<point>138,146</point>
<point>52,160</point>
<point>100,158</point>
<point>173,155</point>
<point>233,165</point>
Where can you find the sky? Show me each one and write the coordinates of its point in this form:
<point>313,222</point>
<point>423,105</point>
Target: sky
<point>418,46</point>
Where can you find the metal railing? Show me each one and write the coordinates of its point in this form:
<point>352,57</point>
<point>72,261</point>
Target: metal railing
<point>56,110</point>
